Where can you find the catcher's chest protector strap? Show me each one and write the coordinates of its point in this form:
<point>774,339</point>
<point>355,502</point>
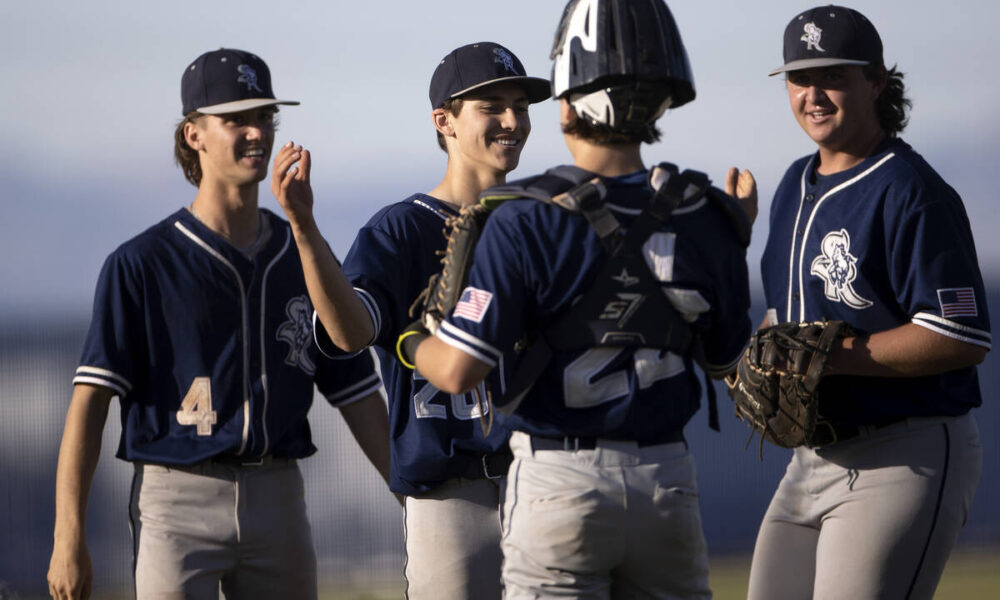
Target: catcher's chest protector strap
<point>626,305</point>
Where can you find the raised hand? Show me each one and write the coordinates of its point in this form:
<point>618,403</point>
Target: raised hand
<point>742,186</point>
<point>290,184</point>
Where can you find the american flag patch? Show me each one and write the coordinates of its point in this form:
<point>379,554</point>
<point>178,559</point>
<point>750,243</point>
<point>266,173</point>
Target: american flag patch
<point>957,302</point>
<point>473,304</point>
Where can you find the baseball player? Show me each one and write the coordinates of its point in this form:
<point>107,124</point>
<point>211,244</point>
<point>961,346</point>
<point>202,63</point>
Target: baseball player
<point>865,231</point>
<point>444,463</point>
<point>202,328</point>
<point>602,498</point>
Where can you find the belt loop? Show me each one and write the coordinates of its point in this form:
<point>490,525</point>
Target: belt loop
<point>530,439</point>
<point>486,468</point>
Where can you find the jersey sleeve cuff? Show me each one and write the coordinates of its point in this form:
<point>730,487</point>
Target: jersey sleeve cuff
<point>326,345</point>
<point>103,378</point>
<point>356,392</point>
<point>453,336</point>
<point>954,330</point>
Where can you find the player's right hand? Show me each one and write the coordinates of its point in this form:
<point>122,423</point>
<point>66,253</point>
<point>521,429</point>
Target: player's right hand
<point>70,572</point>
<point>290,184</point>
<point>742,186</point>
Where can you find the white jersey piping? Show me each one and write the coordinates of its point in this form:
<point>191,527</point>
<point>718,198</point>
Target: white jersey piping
<point>263,342</point>
<point>244,325</point>
<point>812,216</point>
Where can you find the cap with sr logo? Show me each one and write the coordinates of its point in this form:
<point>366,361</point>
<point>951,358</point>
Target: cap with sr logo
<point>227,80</point>
<point>830,35</point>
<point>478,65</point>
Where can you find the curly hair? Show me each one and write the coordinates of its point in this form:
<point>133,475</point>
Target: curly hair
<point>892,105</point>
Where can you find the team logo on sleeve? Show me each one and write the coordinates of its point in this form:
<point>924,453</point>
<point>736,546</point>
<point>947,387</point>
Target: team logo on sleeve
<point>811,36</point>
<point>473,304</point>
<point>249,77</point>
<point>297,332</point>
<point>837,267</point>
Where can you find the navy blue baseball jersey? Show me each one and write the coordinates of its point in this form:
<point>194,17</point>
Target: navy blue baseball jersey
<point>882,244</point>
<point>211,352</point>
<point>534,259</point>
<point>434,436</point>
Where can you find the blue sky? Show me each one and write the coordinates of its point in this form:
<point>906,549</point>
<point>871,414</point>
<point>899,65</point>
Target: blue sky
<point>91,94</point>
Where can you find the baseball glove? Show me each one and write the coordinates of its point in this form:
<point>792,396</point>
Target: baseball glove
<point>443,292</point>
<point>445,288</point>
<point>774,387</point>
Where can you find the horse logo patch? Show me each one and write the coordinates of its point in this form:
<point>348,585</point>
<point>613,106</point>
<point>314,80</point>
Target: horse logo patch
<point>249,77</point>
<point>297,332</point>
<point>504,58</point>
<point>837,267</point>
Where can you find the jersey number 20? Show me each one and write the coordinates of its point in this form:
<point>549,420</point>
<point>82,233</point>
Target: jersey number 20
<point>428,403</point>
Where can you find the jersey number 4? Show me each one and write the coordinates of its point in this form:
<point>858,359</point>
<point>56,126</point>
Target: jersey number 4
<point>196,408</point>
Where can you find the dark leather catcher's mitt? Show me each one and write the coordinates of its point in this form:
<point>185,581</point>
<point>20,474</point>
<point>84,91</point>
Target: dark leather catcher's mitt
<point>774,387</point>
<point>445,288</point>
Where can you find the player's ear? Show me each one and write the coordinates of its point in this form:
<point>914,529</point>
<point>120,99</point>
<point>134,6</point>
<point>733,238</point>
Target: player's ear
<point>192,135</point>
<point>443,122</point>
<point>566,113</point>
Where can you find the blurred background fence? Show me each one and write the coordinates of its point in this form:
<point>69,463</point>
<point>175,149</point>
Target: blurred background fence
<point>357,525</point>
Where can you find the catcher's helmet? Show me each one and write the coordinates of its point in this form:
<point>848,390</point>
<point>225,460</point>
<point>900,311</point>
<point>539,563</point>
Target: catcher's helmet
<point>620,63</point>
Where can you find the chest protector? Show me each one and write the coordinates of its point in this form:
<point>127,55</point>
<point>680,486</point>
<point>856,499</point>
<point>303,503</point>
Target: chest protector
<point>625,306</point>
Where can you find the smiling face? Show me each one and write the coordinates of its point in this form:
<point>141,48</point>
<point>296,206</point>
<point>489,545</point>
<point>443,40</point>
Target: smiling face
<point>490,129</point>
<point>835,106</point>
<point>233,148</point>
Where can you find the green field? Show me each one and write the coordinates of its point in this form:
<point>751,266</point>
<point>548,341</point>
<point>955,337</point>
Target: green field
<point>970,575</point>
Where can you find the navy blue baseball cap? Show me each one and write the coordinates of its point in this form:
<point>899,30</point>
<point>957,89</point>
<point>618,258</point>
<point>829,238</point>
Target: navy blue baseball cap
<point>830,35</point>
<point>227,80</point>
<point>478,65</point>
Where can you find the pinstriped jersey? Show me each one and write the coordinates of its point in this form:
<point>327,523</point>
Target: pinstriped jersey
<point>434,436</point>
<point>879,245</point>
<point>210,352</point>
<point>534,259</point>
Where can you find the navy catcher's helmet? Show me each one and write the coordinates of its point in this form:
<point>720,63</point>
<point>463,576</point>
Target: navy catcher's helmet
<point>620,63</point>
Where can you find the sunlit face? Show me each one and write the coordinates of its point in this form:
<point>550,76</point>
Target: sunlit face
<point>235,147</point>
<point>491,128</point>
<point>835,105</point>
